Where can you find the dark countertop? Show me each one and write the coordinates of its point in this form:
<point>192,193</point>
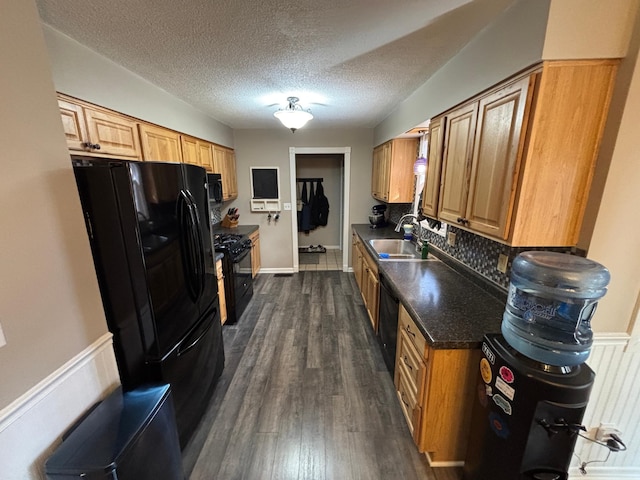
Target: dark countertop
<point>239,230</point>
<point>450,306</point>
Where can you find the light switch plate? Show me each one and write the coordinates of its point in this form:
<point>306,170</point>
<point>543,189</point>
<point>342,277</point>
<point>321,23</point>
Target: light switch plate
<point>502,263</point>
<point>451,239</point>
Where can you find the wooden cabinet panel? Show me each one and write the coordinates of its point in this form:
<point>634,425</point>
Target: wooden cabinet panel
<point>160,144</point>
<point>495,159</point>
<point>98,132</point>
<point>224,163</point>
<point>74,124</point>
<point>205,155</point>
<point>436,391</point>
<point>458,151</point>
<point>534,146</point>
<point>221,298</point>
<point>367,278</point>
<point>434,164</point>
<point>392,178</point>
<point>197,152</point>
<point>571,109</point>
<point>116,135</point>
<point>255,253</point>
<point>189,150</point>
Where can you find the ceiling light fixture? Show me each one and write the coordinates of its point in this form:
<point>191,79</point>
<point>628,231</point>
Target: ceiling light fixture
<point>293,116</point>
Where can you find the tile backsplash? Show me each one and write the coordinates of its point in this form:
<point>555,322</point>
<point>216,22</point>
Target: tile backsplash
<point>481,254</point>
<point>216,214</point>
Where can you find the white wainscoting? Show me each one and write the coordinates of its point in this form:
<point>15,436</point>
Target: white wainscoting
<point>31,426</point>
<point>615,398</point>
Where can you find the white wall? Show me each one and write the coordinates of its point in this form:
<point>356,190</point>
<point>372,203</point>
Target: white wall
<point>58,358</point>
<point>49,301</point>
<point>511,43</point>
<point>270,148</point>
<point>83,73</point>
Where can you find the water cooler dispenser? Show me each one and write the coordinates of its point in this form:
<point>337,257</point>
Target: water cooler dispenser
<point>533,385</point>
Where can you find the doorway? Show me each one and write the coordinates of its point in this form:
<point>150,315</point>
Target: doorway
<point>340,212</point>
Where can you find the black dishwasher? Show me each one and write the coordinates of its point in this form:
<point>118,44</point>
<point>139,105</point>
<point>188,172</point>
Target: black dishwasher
<point>388,323</point>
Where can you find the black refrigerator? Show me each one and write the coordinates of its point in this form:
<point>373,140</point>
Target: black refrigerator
<point>148,225</point>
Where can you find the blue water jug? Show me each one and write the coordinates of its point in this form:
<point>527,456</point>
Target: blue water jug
<point>551,300</point>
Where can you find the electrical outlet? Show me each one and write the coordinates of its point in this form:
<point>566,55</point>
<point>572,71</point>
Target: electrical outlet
<point>287,206</point>
<point>605,430</point>
<point>451,239</point>
<point>502,263</point>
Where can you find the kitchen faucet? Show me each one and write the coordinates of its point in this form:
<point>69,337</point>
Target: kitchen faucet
<point>417,219</point>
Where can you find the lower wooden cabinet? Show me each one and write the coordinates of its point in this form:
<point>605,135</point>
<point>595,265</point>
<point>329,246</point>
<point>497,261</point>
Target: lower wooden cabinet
<point>255,253</point>
<point>436,389</point>
<point>221,297</point>
<point>367,278</point>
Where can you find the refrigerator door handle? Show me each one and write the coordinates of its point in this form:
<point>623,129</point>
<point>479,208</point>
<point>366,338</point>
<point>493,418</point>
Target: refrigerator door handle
<point>198,247</point>
<point>192,343</point>
<point>185,217</point>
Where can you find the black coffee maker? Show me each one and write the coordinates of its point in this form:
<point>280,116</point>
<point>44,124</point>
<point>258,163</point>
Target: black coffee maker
<point>377,218</point>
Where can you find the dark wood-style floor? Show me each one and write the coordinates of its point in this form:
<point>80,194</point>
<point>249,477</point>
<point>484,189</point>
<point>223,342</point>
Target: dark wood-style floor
<point>305,393</point>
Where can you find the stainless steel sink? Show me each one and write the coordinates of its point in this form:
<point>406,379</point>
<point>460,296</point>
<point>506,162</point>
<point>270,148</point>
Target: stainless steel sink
<point>391,249</point>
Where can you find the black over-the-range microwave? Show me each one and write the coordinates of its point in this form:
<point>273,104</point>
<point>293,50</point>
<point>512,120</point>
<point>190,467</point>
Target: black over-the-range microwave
<point>214,182</point>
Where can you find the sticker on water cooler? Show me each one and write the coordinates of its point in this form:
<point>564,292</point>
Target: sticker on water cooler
<point>506,374</point>
<point>500,401</point>
<point>488,353</point>
<point>508,390</point>
<point>498,425</point>
<point>485,370</point>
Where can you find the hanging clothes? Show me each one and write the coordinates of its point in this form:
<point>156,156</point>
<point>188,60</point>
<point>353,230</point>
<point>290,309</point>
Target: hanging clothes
<point>312,206</point>
<point>320,211</point>
<point>305,214</point>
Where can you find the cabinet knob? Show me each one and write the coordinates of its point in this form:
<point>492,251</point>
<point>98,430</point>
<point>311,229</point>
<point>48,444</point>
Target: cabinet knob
<point>92,146</point>
<point>462,220</point>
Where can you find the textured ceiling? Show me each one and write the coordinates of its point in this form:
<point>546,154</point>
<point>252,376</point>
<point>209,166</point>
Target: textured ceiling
<point>350,62</point>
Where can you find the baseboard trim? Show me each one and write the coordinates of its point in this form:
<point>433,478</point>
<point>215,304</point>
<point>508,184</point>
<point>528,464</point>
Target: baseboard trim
<point>443,464</point>
<point>21,405</point>
<point>605,473</point>
<point>611,338</point>
<point>276,270</point>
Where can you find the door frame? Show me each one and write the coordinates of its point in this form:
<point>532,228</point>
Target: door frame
<point>346,152</point>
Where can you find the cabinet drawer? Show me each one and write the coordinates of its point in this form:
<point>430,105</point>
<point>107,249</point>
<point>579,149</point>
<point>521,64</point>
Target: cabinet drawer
<point>408,403</point>
<point>410,362</point>
<point>406,324</point>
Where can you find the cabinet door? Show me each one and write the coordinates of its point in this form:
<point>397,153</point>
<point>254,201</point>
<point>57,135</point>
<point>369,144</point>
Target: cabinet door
<point>221,298</point>
<point>434,163</point>
<point>380,172</point>
<point>356,260</point>
<point>160,144</point>
<point>116,135</point>
<point>496,153</point>
<point>73,123</point>
<point>189,150</point>
<point>230,170</point>
<point>372,294</point>
<point>205,155</point>
<point>255,253</point>
<point>399,167</point>
<point>459,134</point>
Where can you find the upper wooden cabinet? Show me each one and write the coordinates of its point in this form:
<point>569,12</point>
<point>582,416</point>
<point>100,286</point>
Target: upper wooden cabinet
<point>160,144</point>
<point>197,152</point>
<point>434,163</point>
<point>517,161</point>
<point>392,173</point>
<point>101,132</point>
<point>96,131</point>
<point>224,163</point>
